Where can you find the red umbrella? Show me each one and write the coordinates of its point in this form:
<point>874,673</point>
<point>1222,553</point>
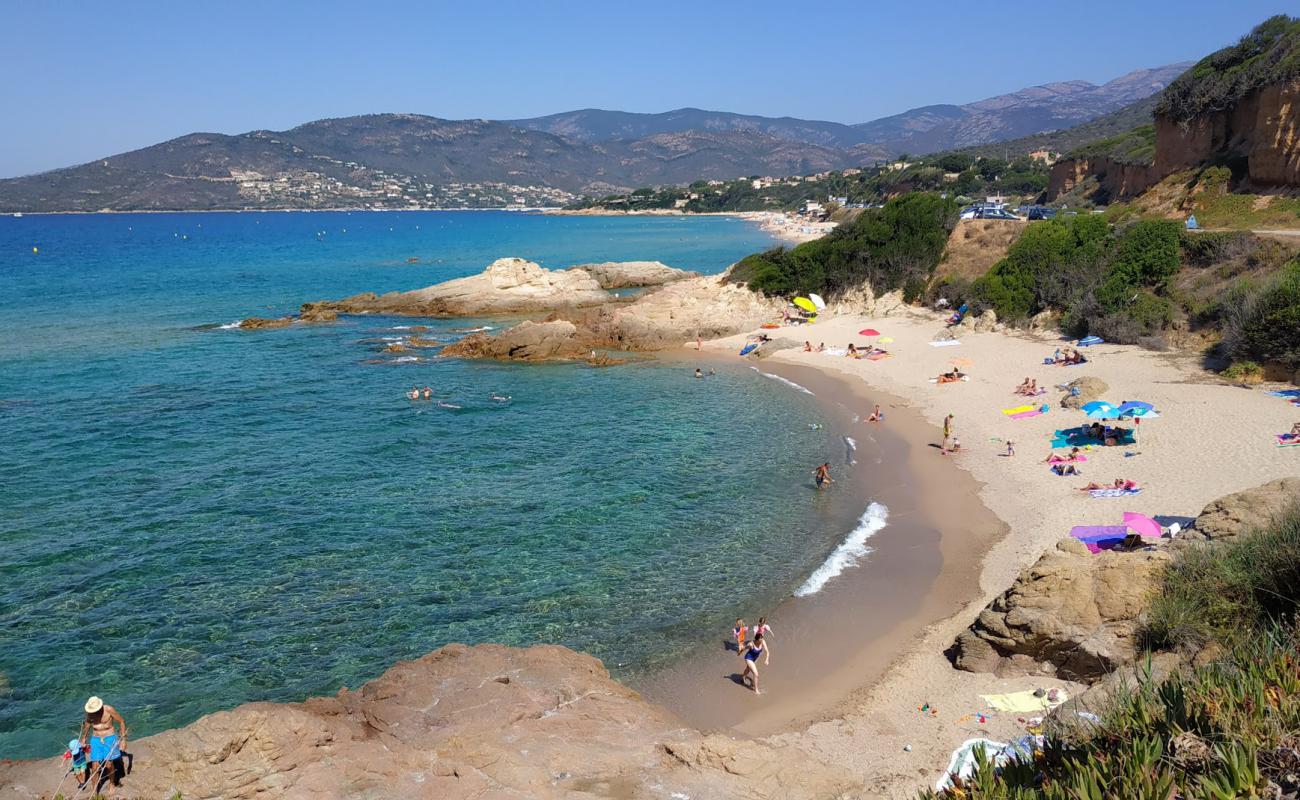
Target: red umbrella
<point>869,332</point>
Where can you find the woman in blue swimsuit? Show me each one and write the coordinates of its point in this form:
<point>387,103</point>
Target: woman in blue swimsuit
<point>758,647</point>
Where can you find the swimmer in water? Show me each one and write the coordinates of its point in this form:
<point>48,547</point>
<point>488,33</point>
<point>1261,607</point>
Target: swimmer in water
<point>823,475</point>
<point>428,393</point>
<point>442,404</point>
<point>500,398</point>
<point>414,394</point>
<point>698,373</point>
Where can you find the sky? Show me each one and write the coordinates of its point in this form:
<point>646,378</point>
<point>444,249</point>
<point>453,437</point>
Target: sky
<point>84,80</point>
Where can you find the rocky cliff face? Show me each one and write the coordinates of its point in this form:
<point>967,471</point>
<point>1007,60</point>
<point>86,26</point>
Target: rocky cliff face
<point>632,274</point>
<point>1116,180</point>
<point>1261,131</point>
<point>461,722</point>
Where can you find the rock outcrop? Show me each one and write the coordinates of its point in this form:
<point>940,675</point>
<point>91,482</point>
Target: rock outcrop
<point>263,323</point>
<point>1230,516</point>
<point>707,307</point>
<point>461,722</point>
<point>1116,180</point>
<point>1089,389</point>
<point>1073,613</point>
<point>507,286</point>
<point>631,274</point>
<point>528,341</point>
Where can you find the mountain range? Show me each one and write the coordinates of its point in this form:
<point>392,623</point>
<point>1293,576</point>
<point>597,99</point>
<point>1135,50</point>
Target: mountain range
<point>410,160</point>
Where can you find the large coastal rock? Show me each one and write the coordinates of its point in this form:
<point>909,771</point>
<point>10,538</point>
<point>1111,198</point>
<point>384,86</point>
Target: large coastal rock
<point>528,341</point>
<point>507,286</point>
<point>667,317</point>
<point>461,722</point>
<point>1235,514</point>
<point>1073,613</point>
<point>631,274</point>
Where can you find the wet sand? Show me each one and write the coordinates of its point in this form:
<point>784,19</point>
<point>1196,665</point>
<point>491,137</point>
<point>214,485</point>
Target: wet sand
<point>922,568</point>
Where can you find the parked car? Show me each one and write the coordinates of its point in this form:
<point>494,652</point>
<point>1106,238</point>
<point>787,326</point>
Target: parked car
<point>1040,212</point>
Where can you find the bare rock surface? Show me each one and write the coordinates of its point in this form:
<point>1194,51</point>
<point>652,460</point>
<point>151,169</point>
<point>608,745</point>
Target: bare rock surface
<point>630,274</point>
<point>461,722</point>
<point>1073,613</point>
<point>1089,389</point>
<point>528,341</point>
<point>1235,514</point>
<point>507,286</point>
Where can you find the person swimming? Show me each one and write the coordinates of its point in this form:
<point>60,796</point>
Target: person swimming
<point>758,647</point>
<point>444,404</point>
<point>699,373</point>
<point>499,398</point>
<point>414,394</point>
<point>428,393</point>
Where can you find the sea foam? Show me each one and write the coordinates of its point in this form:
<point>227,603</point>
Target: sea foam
<point>850,447</point>
<point>850,550</point>
<point>789,383</point>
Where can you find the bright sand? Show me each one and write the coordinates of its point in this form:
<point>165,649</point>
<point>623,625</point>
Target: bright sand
<point>871,642</point>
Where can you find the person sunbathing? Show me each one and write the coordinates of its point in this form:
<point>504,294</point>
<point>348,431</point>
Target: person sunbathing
<point>950,377</point>
<point>1120,483</point>
<point>1295,430</point>
<point>852,351</point>
<point>1065,469</point>
<point>1074,455</point>
<point>1024,385</point>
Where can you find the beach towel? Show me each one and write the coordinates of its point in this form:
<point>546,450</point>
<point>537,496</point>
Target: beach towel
<point>1026,414</point>
<point>1099,537</point>
<point>1017,410</point>
<point>1088,341</point>
<point>1287,441</point>
<point>945,343</point>
<point>1113,492</point>
<point>1023,702</point>
<point>1063,460</point>
<point>962,378</point>
<point>879,356</point>
<point>1286,393</point>
<point>962,762</point>
<point>835,351</point>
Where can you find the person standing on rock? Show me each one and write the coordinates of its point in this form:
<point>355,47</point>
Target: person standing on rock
<point>758,647</point>
<point>104,731</point>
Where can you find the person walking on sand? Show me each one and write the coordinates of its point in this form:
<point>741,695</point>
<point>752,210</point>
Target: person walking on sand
<point>823,475</point>
<point>947,433</point>
<point>762,628</point>
<point>104,731</point>
<point>739,633</point>
<point>758,647</point>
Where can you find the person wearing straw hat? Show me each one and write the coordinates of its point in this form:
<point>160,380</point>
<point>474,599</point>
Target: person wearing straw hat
<point>104,731</point>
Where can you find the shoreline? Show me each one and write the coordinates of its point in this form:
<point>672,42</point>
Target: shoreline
<point>920,569</point>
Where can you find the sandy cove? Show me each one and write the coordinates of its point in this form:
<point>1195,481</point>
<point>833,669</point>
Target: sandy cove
<point>1211,439</point>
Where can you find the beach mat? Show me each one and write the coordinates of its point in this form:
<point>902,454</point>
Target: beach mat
<point>945,343</point>
<point>1286,393</point>
<point>1114,492</point>
<point>1023,702</point>
<point>1017,410</point>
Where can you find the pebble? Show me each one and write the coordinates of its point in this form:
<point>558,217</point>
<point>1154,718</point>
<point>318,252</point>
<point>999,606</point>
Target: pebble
<point>907,748</point>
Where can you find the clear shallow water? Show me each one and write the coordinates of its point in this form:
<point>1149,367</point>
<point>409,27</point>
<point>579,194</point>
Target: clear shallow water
<point>194,517</point>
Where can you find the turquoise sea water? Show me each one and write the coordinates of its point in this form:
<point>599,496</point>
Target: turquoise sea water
<point>192,517</point>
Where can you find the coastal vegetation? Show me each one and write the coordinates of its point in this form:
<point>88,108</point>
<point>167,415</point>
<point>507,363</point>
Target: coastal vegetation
<point>1225,729</point>
<point>1269,54</point>
<point>1134,146</point>
<point>896,246</point>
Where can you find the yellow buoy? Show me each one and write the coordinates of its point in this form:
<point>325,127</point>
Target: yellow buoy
<point>36,250</point>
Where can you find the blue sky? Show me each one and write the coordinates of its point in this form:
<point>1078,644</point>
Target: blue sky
<point>84,80</point>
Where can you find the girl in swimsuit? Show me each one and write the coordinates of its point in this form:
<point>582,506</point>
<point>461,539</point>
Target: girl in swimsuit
<point>758,647</point>
<point>738,633</point>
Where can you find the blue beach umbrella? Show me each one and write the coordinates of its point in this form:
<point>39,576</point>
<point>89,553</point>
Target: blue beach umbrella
<point>1100,409</point>
<point>1136,408</point>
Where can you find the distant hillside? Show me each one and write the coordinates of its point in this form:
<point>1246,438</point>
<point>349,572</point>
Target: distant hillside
<point>411,160</point>
<point>1066,141</point>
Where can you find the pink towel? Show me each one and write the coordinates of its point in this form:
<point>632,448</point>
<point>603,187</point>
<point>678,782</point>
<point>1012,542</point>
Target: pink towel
<point>1024,414</point>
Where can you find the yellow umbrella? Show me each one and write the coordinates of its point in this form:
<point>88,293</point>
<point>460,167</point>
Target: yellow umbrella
<point>885,339</point>
<point>806,304</point>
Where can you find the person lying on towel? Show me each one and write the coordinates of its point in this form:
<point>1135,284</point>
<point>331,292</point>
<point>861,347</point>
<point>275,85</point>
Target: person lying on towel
<point>1120,483</point>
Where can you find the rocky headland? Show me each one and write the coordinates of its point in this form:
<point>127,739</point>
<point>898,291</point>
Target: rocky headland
<point>508,286</point>
<point>460,722</point>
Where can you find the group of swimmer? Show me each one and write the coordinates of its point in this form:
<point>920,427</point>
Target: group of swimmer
<point>751,650</point>
<point>699,373</point>
<point>98,755</point>
<point>426,393</point>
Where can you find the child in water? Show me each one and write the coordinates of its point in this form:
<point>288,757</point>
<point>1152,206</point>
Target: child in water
<point>738,633</point>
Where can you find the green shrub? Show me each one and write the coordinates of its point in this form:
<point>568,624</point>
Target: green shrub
<point>1238,587</point>
<point>893,247</point>
<point>1046,267</point>
<point>1268,54</point>
<point>1268,327</point>
<point>1244,372</point>
<point>1208,249</point>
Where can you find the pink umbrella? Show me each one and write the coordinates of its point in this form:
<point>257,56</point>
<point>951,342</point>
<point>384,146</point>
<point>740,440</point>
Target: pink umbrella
<point>869,332</point>
<point>1142,525</point>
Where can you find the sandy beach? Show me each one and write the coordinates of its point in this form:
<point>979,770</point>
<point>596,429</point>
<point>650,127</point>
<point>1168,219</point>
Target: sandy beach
<point>1211,439</point>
